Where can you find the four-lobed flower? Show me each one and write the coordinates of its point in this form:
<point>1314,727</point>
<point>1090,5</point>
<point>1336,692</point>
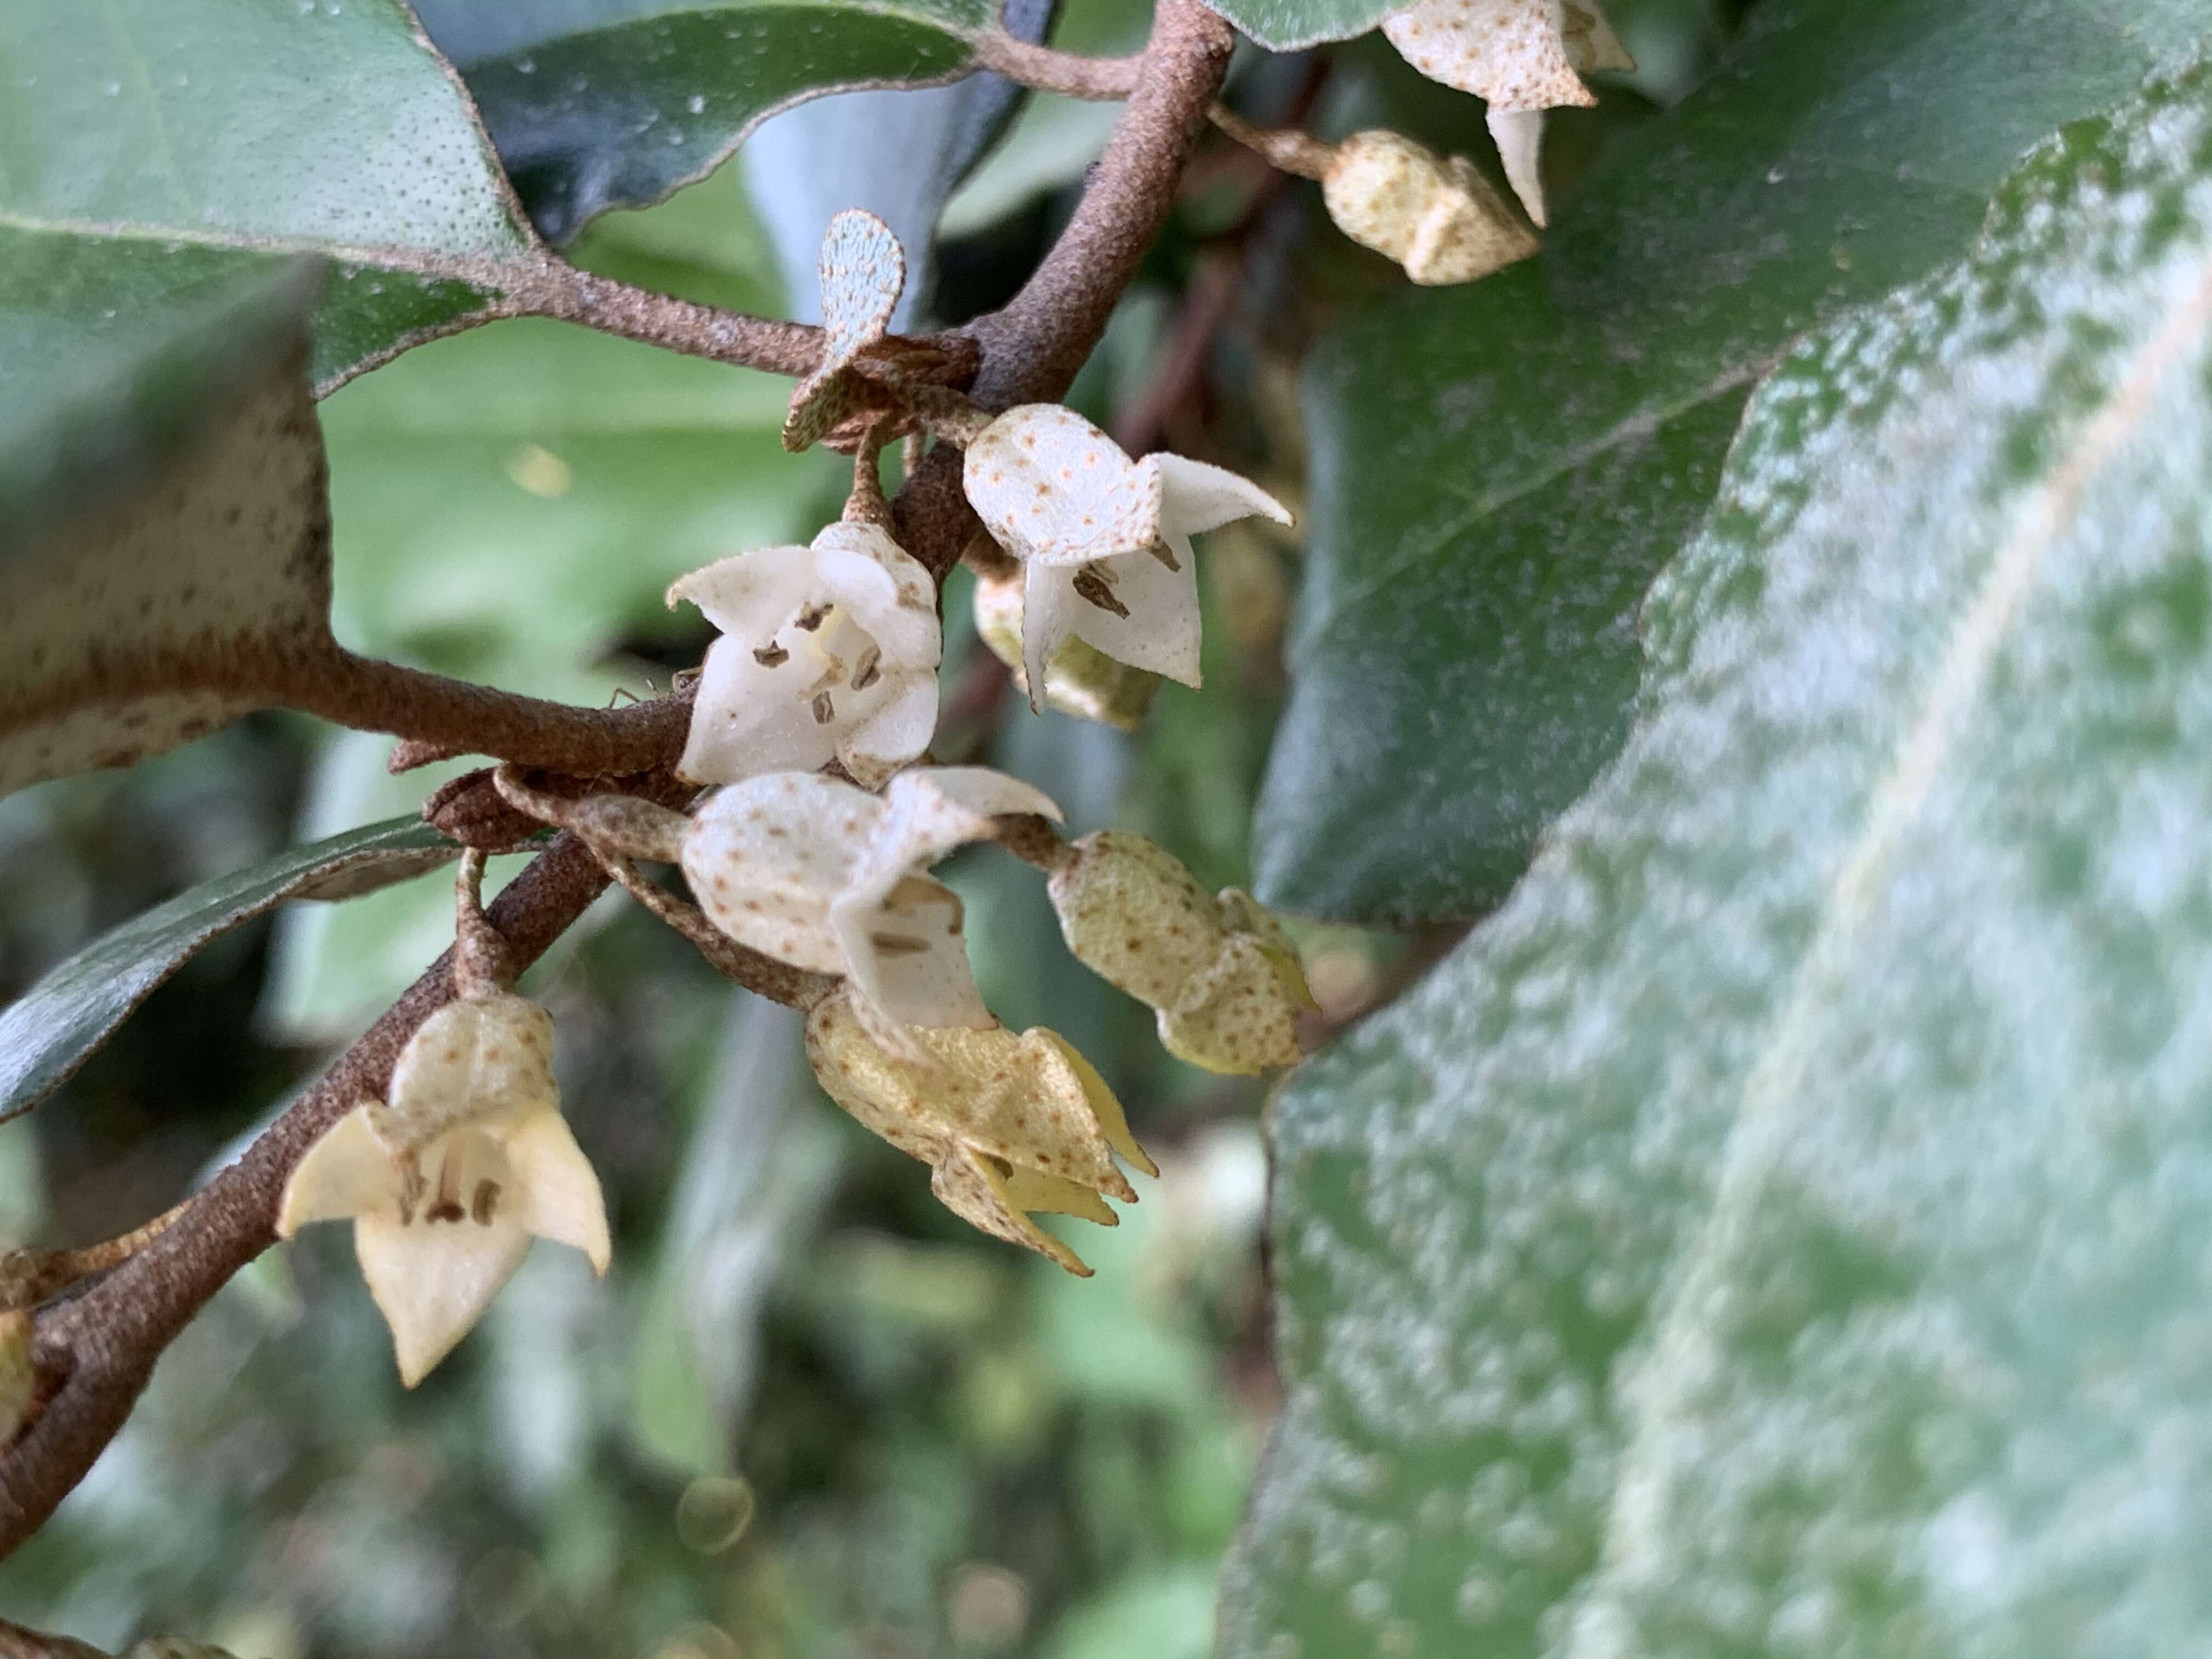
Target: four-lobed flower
<point>1520,56</point>
<point>829,652</point>
<point>447,1182</point>
<point>1219,972</point>
<point>1010,1124</point>
<point>1104,540</point>
<point>817,874</point>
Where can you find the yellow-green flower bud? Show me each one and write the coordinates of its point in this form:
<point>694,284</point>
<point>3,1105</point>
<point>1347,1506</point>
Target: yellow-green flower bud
<point>1440,220</point>
<point>1008,1123</point>
<point>1221,973</point>
<point>1080,679</point>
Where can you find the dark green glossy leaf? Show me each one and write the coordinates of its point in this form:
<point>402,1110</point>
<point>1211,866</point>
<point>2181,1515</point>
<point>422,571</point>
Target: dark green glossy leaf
<point>1499,470</point>
<point>1288,24</point>
<point>245,127</point>
<point>1780,1230</point>
<point>613,103</point>
<point>54,1027</point>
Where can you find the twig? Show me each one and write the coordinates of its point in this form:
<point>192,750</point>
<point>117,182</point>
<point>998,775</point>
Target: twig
<point>1043,69</point>
<point>439,717</point>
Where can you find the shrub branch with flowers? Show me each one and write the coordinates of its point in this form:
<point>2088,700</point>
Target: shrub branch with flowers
<point>164,525</point>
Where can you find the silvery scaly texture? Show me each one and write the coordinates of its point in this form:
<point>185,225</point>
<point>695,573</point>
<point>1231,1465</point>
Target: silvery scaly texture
<point>1220,973</point>
<point>829,653</point>
<point>1520,56</point>
<point>828,878</point>
<point>1009,1124</point>
<point>447,1183</point>
<point>1439,220</point>
<point>1104,540</point>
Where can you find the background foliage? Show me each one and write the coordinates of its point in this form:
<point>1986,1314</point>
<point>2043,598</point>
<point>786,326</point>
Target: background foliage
<point>1525,1294</point>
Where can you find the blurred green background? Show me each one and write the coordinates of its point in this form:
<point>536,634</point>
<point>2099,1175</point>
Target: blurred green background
<point>808,1414</point>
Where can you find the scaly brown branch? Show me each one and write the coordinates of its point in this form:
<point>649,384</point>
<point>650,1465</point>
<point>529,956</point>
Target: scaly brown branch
<point>96,1351</point>
<point>1032,348</point>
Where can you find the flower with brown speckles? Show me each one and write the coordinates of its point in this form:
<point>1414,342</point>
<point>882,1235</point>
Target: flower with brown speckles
<point>1009,1124</point>
<point>447,1184</point>
<point>815,873</point>
<point>1104,541</point>
<point>829,652</point>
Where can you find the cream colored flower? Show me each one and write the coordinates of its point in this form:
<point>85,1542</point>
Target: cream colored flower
<point>1009,1125</point>
<point>447,1184</point>
<point>814,873</point>
<point>829,652</point>
<point>1105,540</point>
<point>1520,56</point>
<point>1220,973</point>
<point>1441,221</point>
<point>1080,679</point>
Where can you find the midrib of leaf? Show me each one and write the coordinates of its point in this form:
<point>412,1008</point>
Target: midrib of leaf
<point>1778,1078</point>
<point>419,262</point>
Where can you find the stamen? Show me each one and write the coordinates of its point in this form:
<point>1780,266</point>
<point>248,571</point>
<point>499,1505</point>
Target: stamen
<point>898,944</point>
<point>810,617</point>
<point>870,668</point>
<point>448,1207</point>
<point>1160,551</point>
<point>771,655</point>
<point>1091,586</point>
<point>824,710</point>
<point>484,1203</point>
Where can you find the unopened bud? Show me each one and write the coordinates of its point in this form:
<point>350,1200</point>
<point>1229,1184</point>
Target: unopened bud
<point>1080,679</point>
<point>1439,219</point>
<point>1220,973</point>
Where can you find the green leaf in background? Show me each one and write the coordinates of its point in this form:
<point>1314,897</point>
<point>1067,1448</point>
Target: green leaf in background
<point>1499,470</point>
<point>245,128</point>
<point>163,535</point>
<point>614,103</point>
<point>54,1027</point>
<point>1780,1231</point>
<point>1289,25</point>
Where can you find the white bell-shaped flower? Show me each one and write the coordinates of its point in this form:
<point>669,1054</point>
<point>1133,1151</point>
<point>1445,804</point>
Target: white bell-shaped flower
<point>829,652</point>
<point>447,1184</point>
<point>1520,56</point>
<point>1104,541</point>
<point>815,873</point>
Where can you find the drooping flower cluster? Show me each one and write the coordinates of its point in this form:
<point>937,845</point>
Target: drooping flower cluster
<point>814,848</point>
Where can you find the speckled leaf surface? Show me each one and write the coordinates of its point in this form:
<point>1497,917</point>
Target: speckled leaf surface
<point>1781,1229</point>
<point>597,104</point>
<point>1500,470</point>
<point>164,534</point>
<point>54,1027</point>
<point>238,127</point>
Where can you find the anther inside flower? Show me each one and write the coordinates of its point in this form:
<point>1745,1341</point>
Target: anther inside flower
<point>1008,1124</point>
<point>1219,971</point>
<point>1520,56</point>
<point>829,652</point>
<point>447,1183</point>
<point>1104,540</point>
<point>815,873</point>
